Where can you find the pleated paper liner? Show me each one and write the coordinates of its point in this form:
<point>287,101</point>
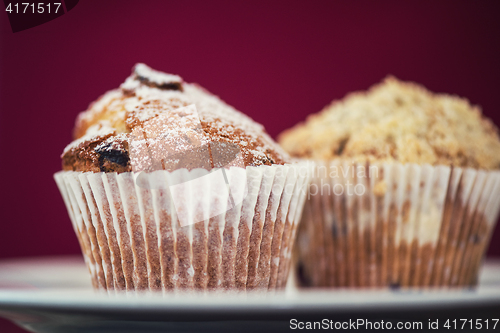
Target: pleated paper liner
<point>396,225</point>
<point>187,230</point>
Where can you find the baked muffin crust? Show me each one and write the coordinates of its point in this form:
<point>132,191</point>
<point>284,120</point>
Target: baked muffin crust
<point>398,121</point>
<point>103,133</point>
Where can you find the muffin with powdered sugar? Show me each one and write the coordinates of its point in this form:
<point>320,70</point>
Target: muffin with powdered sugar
<point>170,188</point>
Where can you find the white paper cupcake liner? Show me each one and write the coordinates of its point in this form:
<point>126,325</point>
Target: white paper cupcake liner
<point>165,231</point>
<point>412,226</point>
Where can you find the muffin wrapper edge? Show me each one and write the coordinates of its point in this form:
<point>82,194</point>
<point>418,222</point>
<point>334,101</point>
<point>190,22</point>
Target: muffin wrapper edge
<point>429,226</point>
<point>144,235</point>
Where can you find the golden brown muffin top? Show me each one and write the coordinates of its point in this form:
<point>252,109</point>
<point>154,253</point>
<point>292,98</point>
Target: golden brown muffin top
<point>398,121</point>
<point>158,116</point>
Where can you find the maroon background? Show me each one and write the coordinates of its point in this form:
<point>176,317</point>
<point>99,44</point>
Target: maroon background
<point>276,61</point>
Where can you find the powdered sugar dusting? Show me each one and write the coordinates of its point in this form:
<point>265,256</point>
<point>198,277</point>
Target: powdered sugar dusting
<point>148,94</point>
<point>130,84</point>
<point>93,132</point>
<point>109,100</point>
<point>113,143</point>
<point>170,141</point>
<point>106,100</point>
<point>227,120</point>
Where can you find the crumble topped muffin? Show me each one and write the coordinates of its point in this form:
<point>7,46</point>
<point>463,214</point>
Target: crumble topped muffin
<point>398,121</point>
<point>405,191</point>
<point>104,132</point>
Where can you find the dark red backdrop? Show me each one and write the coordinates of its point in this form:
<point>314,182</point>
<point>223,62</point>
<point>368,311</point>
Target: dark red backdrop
<point>275,61</point>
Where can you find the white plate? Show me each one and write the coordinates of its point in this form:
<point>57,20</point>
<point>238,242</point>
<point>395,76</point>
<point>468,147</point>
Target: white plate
<point>55,295</point>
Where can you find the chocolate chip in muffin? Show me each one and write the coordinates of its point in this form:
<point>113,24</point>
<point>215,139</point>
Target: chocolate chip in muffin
<point>143,75</point>
<point>113,155</point>
<point>164,85</point>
